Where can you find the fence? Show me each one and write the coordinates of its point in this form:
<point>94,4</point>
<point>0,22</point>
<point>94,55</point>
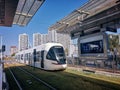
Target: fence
<point>111,64</point>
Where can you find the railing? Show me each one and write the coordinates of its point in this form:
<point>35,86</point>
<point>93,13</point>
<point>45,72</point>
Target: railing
<point>1,73</point>
<point>3,81</point>
<point>110,65</point>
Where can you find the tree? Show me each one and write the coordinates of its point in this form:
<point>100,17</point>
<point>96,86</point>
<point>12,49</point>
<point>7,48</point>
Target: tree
<point>113,41</point>
<point>66,51</point>
<point>13,54</point>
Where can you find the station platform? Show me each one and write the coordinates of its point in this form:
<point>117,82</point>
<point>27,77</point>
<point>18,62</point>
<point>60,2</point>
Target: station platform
<point>3,81</point>
<point>1,75</point>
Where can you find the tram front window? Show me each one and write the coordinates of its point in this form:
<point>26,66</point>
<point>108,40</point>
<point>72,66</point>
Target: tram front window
<point>56,53</point>
<point>59,51</point>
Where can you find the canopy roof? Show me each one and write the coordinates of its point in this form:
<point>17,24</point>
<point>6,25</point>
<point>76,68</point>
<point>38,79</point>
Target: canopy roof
<point>26,9</point>
<point>90,11</point>
<point>7,12</point>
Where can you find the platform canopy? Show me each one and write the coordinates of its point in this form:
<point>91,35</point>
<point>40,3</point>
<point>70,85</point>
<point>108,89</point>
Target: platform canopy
<point>90,16</point>
<point>26,9</point>
<point>7,12</point>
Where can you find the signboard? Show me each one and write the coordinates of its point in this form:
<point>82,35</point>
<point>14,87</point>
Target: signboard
<point>92,47</point>
<point>111,29</point>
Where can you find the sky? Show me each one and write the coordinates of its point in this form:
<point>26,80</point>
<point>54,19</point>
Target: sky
<point>49,13</point>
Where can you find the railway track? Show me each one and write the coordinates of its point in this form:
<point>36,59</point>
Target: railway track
<point>63,80</point>
<point>29,78</point>
<point>18,84</point>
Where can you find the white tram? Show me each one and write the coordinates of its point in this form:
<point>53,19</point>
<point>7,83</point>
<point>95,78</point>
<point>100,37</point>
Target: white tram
<point>49,56</point>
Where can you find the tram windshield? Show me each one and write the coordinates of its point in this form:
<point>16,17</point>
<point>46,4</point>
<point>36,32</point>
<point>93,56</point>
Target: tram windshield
<point>56,53</point>
<point>59,51</point>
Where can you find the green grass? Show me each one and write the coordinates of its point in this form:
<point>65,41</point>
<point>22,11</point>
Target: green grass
<point>74,80</point>
<point>66,80</point>
<point>115,80</point>
<point>26,81</point>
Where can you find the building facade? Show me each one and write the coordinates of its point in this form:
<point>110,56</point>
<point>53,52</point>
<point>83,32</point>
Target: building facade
<point>62,38</point>
<point>13,50</point>
<point>23,42</point>
<point>52,36</point>
<point>44,38</point>
<point>37,39</point>
<point>56,37</point>
<point>73,50</point>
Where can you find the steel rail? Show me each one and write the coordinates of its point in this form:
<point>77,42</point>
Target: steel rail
<point>38,79</point>
<point>20,88</point>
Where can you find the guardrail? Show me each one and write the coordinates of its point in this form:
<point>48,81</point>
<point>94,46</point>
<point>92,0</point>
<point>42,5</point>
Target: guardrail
<point>3,81</point>
<point>109,64</point>
<point>1,73</point>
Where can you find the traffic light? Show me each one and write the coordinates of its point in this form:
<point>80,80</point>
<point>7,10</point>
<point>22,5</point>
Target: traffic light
<point>3,48</point>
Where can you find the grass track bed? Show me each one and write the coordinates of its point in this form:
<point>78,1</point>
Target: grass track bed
<point>26,81</point>
<point>74,80</point>
<point>10,79</point>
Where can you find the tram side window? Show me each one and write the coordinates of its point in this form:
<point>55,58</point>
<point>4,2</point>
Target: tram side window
<point>29,56</point>
<point>18,57</point>
<point>38,56</point>
<point>15,57</point>
<point>21,56</point>
<point>51,54</point>
<point>26,56</point>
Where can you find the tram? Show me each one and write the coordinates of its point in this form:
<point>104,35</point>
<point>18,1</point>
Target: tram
<point>49,56</point>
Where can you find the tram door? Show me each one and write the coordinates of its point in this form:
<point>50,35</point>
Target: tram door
<point>42,59</point>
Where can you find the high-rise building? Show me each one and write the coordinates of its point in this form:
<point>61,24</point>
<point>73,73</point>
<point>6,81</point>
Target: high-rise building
<point>37,39</point>
<point>64,39</point>
<point>52,36</point>
<point>44,38</point>
<point>23,42</point>
<point>13,50</point>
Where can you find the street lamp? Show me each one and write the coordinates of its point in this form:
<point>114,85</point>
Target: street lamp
<point>1,48</point>
<point>1,69</point>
